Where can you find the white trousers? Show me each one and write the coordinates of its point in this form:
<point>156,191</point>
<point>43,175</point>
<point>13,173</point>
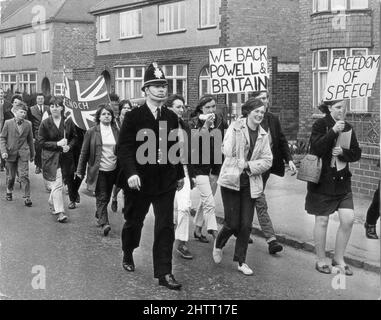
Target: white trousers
<point>182,210</point>
<point>56,193</point>
<point>206,211</point>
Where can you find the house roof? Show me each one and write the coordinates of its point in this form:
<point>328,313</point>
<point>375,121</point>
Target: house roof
<point>52,10</point>
<point>115,5</point>
<point>10,6</point>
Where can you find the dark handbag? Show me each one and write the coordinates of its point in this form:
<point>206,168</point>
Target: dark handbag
<point>310,167</point>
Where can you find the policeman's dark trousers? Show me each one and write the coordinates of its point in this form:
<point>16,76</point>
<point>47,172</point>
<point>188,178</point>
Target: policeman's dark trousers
<point>135,209</point>
<point>374,209</point>
<point>239,213</point>
<point>103,190</point>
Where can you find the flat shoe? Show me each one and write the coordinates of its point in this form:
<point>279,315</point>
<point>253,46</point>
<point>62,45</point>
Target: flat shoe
<point>28,202</point>
<point>347,270</point>
<point>323,269</point>
<point>201,238</point>
<point>8,196</point>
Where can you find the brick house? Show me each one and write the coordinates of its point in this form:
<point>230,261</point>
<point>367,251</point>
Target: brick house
<point>178,35</point>
<point>38,38</point>
<point>334,28</point>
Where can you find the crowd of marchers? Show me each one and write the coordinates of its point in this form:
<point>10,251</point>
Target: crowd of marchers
<point>105,158</point>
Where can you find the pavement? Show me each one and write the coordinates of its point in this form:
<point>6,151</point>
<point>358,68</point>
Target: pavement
<point>294,227</point>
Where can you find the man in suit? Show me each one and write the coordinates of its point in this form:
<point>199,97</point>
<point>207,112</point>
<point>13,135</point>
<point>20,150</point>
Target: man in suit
<point>16,147</point>
<point>150,182</point>
<point>281,154</point>
<point>36,113</point>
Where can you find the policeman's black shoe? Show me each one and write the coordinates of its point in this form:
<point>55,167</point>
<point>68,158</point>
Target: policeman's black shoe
<point>128,262</point>
<point>274,247</point>
<point>170,282</point>
<point>370,231</point>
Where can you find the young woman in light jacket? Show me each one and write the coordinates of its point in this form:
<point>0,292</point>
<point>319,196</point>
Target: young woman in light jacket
<point>247,155</point>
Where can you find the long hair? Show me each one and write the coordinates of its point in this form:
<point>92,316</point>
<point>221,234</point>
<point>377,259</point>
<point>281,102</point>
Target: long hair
<point>99,111</point>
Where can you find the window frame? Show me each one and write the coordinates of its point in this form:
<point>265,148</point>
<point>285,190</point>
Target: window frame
<point>47,48</point>
<point>7,47</point>
<point>59,86</point>
<point>105,18</point>
<point>7,85</point>
<point>139,12</point>
<point>209,24</point>
<point>181,17</point>
<point>27,82</point>
<point>348,6</point>
<point>132,79</point>
<point>174,77</point>
<point>31,37</point>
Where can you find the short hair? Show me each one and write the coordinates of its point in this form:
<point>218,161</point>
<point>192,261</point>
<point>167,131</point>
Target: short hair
<point>323,107</point>
<point>40,94</point>
<point>123,102</point>
<point>172,98</point>
<point>16,96</point>
<point>57,100</point>
<point>250,105</point>
<point>114,97</point>
<point>206,98</point>
<point>21,106</point>
<point>99,111</point>
<point>255,94</point>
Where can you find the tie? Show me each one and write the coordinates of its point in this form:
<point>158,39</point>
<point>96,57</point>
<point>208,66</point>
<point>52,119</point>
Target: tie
<point>157,113</point>
<point>19,122</point>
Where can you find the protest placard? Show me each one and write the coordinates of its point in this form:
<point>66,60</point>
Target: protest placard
<point>351,77</point>
<point>239,69</point>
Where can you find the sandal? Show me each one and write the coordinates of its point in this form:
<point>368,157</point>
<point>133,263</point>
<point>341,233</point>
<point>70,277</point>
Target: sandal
<point>346,269</point>
<point>9,196</point>
<point>323,269</point>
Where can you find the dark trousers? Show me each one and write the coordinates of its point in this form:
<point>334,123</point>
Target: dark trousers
<point>22,167</point>
<point>103,190</point>
<point>239,213</point>
<point>374,209</point>
<point>37,155</point>
<point>135,210</point>
<point>73,184</point>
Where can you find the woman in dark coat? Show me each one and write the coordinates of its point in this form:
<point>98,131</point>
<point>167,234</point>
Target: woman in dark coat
<point>333,192</point>
<point>99,154</point>
<point>57,138</point>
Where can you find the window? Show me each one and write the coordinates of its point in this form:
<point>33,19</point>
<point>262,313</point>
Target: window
<point>45,41</point>
<point>358,4</point>
<point>177,79</point>
<point>104,28</point>
<point>59,89</point>
<point>28,82</point>
<point>338,5</point>
<point>207,13</point>
<point>171,17</point>
<point>129,81</point>
<point>204,82</point>
<point>130,24</point>
<point>10,47</point>
<point>8,81</point>
<point>29,43</point>
<point>321,60</point>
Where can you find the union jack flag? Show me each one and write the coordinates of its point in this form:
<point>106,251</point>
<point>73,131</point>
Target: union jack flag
<point>82,105</point>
